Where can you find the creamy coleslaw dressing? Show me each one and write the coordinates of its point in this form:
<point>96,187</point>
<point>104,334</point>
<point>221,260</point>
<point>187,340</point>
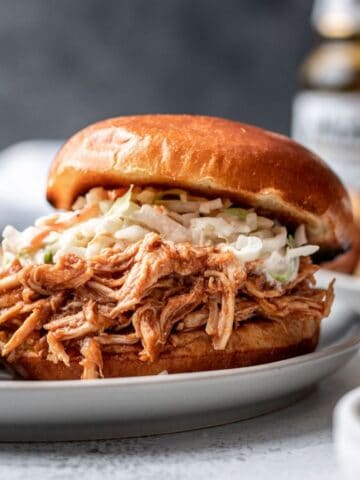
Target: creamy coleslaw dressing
<point>113,219</point>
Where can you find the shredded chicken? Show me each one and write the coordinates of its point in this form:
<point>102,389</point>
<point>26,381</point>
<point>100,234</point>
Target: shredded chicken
<point>142,295</point>
<point>25,329</point>
<point>92,359</point>
<point>56,350</point>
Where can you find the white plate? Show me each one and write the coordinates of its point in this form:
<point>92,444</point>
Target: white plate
<point>123,407</point>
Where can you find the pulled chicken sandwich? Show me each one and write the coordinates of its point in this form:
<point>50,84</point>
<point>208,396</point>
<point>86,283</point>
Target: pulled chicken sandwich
<point>186,244</point>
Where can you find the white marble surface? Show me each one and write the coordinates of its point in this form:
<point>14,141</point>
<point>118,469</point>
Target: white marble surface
<point>294,443</point>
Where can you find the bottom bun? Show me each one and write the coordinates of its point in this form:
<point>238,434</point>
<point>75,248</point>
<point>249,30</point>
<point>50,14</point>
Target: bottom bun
<point>254,342</point>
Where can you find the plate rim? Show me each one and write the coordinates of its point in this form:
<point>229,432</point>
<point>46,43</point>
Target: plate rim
<point>348,345</point>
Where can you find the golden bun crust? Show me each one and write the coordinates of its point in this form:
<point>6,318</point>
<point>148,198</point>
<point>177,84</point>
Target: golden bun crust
<point>253,343</point>
<point>349,262</point>
<point>210,155</point>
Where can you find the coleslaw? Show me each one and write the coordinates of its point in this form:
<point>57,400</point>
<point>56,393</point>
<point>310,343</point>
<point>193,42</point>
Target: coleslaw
<point>115,218</point>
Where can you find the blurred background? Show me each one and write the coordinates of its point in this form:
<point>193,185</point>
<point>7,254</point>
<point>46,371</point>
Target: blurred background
<point>66,63</point>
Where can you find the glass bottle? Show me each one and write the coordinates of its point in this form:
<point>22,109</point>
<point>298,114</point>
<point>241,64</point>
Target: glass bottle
<point>326,112</point>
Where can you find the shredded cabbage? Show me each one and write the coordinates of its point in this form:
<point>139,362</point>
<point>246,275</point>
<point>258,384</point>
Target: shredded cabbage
<point>120,206</point>
<point>175,214</point>
<point>248,249</point>
<point>237,212</point>
<point>160,222</point>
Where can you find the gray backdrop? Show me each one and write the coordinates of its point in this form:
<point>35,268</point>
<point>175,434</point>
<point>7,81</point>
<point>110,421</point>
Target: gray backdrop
<point>66,63</point>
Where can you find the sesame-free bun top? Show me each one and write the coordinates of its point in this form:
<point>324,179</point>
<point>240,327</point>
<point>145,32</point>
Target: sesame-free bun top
<point>212,156</point>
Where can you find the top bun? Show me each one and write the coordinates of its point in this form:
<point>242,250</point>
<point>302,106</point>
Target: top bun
<point>211,156</point>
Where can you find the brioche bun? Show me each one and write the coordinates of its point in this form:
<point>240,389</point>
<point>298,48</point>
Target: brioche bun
<point>348,262</point>
<point>254,342</point>
<point>213,156</point>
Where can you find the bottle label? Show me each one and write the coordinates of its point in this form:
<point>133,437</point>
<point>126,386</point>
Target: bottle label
<point>329,124</point>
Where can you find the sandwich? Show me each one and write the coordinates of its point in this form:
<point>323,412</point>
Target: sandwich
<point>180,243</point>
